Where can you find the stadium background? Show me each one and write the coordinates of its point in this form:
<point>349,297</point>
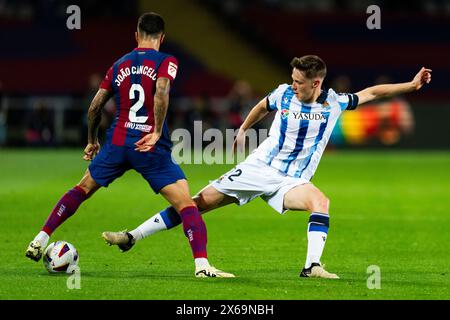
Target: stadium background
<point>231,53</point>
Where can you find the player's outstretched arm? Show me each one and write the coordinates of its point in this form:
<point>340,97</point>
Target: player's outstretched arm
<point>94,118</point>
<point>387,90</point>
<point>256,114</point>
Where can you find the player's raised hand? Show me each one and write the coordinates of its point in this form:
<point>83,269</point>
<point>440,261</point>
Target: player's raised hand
<point>239,142</point>
<point>91,151</point>
<point>422,77</point>
<point>147,143</point>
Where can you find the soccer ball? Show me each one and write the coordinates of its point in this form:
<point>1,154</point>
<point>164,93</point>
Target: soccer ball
<point>61,256</point>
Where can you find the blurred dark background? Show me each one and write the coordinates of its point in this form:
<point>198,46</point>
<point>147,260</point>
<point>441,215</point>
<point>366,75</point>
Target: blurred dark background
<point>231,54</point>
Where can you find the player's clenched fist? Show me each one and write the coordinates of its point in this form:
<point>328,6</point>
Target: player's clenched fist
<point>91,151</point>
<point>422,77</point>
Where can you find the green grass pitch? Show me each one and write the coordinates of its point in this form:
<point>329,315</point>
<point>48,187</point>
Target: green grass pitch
<point>388,209</point>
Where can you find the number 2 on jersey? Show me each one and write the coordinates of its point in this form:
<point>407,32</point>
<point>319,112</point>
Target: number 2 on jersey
<point>138,105</point>
<point>236,173</point>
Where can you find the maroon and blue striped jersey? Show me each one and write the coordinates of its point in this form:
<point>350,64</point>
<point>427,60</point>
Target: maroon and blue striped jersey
<point>132,81</point>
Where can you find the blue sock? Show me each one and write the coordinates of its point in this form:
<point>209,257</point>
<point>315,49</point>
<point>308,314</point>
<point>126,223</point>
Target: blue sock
<point>319,222</point>
<point>170,217</point>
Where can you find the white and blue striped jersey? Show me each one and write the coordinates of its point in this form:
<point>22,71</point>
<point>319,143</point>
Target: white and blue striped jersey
<point>300,132</point>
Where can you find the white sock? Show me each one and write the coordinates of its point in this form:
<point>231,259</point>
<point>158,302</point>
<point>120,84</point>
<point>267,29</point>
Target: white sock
<point>43,238</point>
<point>201,263</point>
<point>149,227</point>
<point>316,243</point>
<point>317,235</point>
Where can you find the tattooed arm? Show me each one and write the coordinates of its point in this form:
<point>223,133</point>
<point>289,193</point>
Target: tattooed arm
<point>161,103</point>
<point>94,118</point>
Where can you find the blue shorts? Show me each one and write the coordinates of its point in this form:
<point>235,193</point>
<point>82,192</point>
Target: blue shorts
<point>157,167</point>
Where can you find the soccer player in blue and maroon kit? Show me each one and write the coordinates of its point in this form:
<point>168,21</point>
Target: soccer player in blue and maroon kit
<point>140,83</point>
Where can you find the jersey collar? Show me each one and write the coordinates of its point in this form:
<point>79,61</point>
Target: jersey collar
<point>322,97</point>
<point>140,49</point>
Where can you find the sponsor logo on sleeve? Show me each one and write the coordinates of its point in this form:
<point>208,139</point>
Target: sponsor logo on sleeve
<point>172,69</point>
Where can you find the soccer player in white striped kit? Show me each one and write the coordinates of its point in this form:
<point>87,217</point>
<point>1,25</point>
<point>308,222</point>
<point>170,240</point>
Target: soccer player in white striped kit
<point>281,168</point>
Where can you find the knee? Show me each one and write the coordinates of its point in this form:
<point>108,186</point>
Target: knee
<point>207,201</point>
<point>201,201</point>
<point>320,203</point>
<point>184,203</point>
